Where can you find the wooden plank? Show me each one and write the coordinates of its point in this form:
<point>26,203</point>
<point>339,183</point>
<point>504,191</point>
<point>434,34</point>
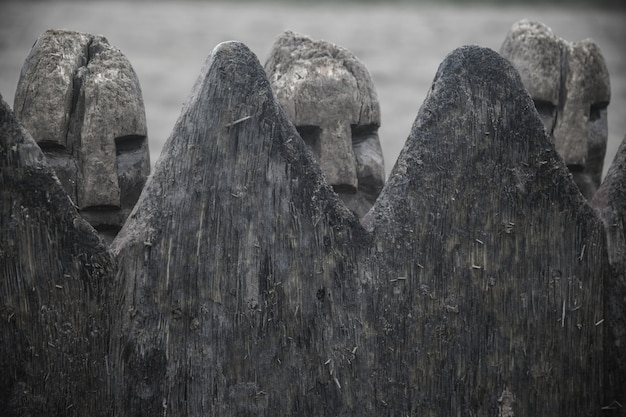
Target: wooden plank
<point>231,285</point>
<point>610,203</point>
<point>54,275</point>
<point>244,286</point>
<point>491,268</point>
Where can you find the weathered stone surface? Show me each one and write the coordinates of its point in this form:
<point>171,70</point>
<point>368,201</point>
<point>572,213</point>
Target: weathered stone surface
<point>81,100</point>
<point>569,83</point>
<point>610,202</point>
<point>54,274</point>
<point>329,96</point>
<point>490,265</point>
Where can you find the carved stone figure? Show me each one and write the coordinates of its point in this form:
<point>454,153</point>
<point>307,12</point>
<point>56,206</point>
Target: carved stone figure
<point>329,96</point>
<point>569,83</point>
<point>81,100</point>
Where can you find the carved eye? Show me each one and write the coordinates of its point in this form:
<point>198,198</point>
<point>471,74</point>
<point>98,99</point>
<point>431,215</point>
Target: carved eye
<point>361,133</point>
<point>51,148</point>
<point>545,108</point>
<point>595,112</point>
<point>310,135</point>
<point>547,114</point>
<point>130,143</point>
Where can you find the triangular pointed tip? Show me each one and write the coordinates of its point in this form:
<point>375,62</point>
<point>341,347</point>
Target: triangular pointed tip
<point>480,63</point>
<point>27,177</point>
<point>231,49</point>
<point>231,133</point>
<point>477,100</point>
<point>477,122</point>
<point>230,69</point>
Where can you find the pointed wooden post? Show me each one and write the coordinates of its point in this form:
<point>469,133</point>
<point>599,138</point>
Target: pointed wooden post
<point>490,264</point>
<point>54,278</point>
<point>610,203</point>
<point>231,268</point>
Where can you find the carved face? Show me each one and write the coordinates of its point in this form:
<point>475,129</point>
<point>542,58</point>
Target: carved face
<point>81,101</point>
<point>569,83</point>
<point>334,108</point>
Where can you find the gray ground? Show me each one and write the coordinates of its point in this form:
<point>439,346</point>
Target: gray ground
<point>402,46</point>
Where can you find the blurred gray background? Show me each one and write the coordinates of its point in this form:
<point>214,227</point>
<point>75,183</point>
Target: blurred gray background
<point>401,43</point>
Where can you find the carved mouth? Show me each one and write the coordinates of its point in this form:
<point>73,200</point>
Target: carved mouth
<point>100,208</point>
<point>107,229</point>
<point>105,217</point>
<point>576,168</point>
<point>344,189</point>
<point>107,232</point>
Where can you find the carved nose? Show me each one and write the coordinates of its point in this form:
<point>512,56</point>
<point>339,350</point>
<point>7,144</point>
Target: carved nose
<point>571,134</point>
<point>336,158</point>
<point>98,185</point>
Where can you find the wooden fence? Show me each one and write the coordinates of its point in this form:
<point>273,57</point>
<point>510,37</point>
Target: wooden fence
<point>480,283</point>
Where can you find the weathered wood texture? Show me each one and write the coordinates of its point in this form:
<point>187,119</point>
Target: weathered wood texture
<point>233,265</point>
<point>610,202</point>
<point>54,273</point>
<point>490,295</point>
<point>245,286</point>
<point>80,99</point>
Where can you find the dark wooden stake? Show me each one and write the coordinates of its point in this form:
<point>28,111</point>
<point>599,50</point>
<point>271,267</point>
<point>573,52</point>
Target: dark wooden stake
<point>246,287</point>
<point>243,285</point>
<point>54,275</point>
<point>610,202</point>
<point>490,297</point>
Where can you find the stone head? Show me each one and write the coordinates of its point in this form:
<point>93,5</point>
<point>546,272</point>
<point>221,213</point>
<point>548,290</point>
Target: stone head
<point>569,83</point>
<point>80,99</point>
<point>329,96</point>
